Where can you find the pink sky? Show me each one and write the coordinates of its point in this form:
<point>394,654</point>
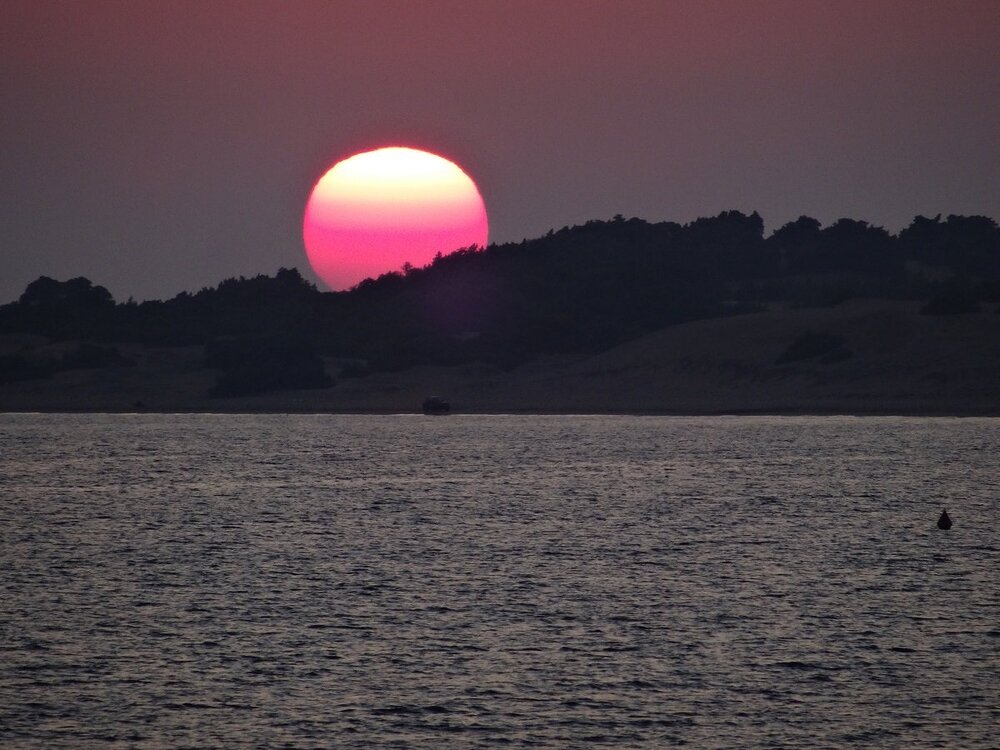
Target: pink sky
<point>156,147</point>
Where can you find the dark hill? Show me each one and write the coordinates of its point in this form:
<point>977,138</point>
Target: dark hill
<point>579,290</point>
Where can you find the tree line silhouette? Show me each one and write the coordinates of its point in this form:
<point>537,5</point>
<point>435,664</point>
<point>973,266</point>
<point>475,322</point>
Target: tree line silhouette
<point>579,289</point>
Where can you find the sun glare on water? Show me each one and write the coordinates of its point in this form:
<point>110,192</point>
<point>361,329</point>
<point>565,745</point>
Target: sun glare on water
<point>377,210</point>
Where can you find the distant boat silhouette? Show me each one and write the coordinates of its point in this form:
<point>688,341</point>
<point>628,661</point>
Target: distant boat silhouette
<point>435,405</point>
<point>944,522</point>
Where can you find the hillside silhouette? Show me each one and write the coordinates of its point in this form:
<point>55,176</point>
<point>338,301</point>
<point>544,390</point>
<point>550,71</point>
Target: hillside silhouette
<point>581,289</point>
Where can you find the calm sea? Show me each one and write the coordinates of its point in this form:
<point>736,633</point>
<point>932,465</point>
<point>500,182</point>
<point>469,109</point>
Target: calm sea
<point>461,582</point>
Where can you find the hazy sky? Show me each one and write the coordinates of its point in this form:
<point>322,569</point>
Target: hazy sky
<point>158,146</point>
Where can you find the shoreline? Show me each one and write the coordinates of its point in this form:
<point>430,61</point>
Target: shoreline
<point>682,413</point>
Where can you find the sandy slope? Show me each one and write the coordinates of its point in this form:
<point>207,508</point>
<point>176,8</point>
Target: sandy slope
<point>901,362</point>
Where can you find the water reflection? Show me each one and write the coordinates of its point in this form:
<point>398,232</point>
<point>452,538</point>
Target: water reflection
<point>541,581</point>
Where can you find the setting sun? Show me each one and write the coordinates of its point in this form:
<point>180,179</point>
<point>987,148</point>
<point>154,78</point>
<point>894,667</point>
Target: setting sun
<point>377,210</point>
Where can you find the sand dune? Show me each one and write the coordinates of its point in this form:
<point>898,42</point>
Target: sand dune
<point>899,362</point>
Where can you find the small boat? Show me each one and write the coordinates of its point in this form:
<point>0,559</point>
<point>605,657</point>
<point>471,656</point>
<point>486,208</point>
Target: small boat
<point>944,521</point>
<point>435,405</point>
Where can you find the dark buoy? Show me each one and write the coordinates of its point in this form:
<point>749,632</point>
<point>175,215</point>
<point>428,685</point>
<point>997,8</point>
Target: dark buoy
<point>944,522</point>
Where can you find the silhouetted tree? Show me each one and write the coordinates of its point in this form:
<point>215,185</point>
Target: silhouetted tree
<point>253,366</point>
<point>576,289</point>
<point>15,368</point>
<point>968,245</point>
<point>826,347</point>
<point>60,309</point>
<point>76,293</point>
<point>797,244</point>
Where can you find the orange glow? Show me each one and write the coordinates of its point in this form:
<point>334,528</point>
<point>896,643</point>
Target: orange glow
<point>379,209</point>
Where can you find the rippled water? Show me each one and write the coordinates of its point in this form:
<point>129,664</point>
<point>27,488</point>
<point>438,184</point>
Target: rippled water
<point>321,581</point>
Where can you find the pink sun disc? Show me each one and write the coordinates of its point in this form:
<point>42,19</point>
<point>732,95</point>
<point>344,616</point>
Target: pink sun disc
<point>377,210</point>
